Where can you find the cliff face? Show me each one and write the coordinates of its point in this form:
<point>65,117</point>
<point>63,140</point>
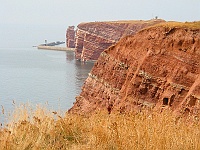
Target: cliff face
<point>94,37</point>
<point>159,66</point>
<point>70,37</point>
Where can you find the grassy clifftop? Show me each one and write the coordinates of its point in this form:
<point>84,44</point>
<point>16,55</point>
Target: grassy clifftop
<point>191,25</point>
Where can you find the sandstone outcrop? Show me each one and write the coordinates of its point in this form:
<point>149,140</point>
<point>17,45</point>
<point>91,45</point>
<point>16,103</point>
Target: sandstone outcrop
<point>70,37</point>
<point>94,37</point>
<point>159,67</point>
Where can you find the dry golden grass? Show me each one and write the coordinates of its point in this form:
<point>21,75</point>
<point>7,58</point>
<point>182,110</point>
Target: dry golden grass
<point>191,25</point>
<point>128,21</point>
<point>42,129</point>
<point>135,21</point>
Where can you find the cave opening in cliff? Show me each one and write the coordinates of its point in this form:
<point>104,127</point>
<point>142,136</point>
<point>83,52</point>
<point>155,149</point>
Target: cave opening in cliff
<point>165,101</point>
<point>192,101</point>
<point>171,100</point>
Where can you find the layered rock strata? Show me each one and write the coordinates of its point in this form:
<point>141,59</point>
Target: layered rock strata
<point>94,37</point>
<point>70,37</point>
<point>159,67</point>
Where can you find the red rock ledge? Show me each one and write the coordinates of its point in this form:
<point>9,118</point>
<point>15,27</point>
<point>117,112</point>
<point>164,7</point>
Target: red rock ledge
<point>94,37</point>
<point>159,67</point>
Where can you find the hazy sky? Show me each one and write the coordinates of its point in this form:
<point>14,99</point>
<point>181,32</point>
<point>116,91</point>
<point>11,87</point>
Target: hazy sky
<point>68,12</point>
<point>35,20</point>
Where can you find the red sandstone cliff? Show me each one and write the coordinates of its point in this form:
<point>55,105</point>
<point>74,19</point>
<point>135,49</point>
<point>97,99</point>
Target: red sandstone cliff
<point>94,37</point>
<point>70,37</point>
<point>158,67</point>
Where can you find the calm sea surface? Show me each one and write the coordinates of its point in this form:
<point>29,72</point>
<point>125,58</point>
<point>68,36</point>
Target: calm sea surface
<point>29,75</point>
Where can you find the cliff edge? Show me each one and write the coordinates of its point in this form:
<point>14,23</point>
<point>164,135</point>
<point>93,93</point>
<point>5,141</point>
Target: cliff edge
<point>92,38</point>
<point>159,67</point>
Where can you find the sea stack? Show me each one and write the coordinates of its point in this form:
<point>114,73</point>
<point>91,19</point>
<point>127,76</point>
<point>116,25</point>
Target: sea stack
<point>70,37</point>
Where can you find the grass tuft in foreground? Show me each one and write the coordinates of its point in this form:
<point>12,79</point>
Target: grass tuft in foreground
<point>41,129</point>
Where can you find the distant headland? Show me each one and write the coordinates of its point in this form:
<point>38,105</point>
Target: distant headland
<point>53,46</point>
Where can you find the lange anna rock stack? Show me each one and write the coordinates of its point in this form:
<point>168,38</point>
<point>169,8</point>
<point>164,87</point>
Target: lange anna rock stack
<point>70,37</point>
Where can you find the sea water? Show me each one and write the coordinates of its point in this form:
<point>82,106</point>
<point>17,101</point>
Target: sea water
<point>39,77</point>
